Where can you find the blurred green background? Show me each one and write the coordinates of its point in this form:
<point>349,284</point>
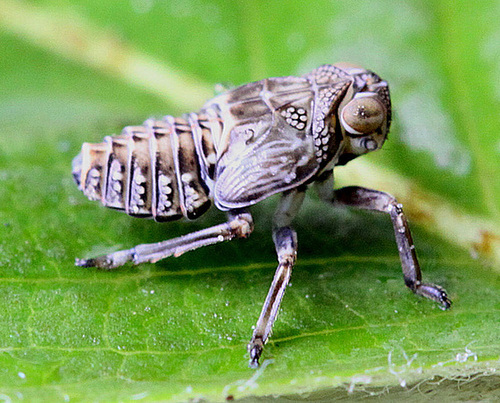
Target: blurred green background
<point>75,71</point>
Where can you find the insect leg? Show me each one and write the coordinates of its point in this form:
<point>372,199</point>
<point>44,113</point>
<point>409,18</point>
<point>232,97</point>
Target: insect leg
<point>285,241</point>
<point>239,225</point>
<point>368,199</point>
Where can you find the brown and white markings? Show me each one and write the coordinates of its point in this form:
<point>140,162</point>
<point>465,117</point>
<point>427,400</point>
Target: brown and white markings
<point>278,135</point>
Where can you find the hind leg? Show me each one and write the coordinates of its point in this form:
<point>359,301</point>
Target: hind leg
<point>239,225</point>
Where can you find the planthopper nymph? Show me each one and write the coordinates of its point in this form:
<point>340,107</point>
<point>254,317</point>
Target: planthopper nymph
<point>278,135</point>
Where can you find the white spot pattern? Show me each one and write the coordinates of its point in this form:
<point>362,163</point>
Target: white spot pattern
<point>137,191</point>
<point>165,192</point>
<point>295,117</point>
<point>92,184</point>
<point>115,185</point>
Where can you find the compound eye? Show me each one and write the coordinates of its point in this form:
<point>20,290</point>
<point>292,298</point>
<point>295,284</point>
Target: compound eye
<point>363,115</point>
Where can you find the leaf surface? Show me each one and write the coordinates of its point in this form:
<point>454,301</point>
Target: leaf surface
<point>76,71</point>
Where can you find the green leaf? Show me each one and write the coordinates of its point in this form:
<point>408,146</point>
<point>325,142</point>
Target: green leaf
<point>75,71</point>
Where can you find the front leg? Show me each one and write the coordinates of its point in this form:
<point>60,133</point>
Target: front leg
<point>368,199</point>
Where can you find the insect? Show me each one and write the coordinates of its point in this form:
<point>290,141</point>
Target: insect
<point>278,135</point>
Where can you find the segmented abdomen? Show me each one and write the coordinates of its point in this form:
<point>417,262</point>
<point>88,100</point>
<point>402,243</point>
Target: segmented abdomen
<point>162,169</point>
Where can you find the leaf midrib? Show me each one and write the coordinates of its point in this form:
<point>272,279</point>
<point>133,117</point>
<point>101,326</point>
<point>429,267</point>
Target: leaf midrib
<point>319,333</point>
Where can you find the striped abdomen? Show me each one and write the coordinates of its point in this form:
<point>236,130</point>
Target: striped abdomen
<point>162,169</point>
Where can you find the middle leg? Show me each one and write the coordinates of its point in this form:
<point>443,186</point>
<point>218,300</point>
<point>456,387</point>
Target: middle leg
<point>285,241</point>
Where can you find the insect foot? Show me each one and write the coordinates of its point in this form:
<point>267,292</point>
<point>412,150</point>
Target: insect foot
<point>107,262</point>
<point>255,348</point>
<point>434,292</point>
